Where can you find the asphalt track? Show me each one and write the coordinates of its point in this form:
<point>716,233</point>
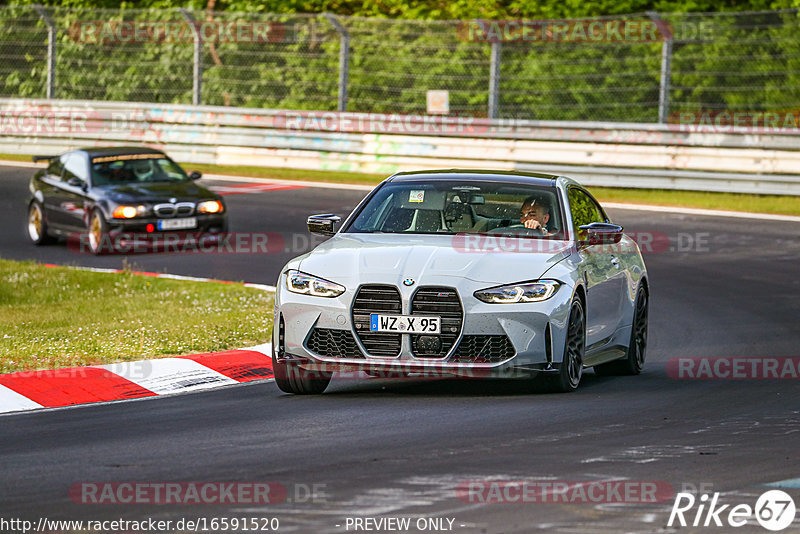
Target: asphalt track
<point>400,448</point>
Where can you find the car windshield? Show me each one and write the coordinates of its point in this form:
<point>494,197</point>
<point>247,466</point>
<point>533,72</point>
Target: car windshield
<point>472,207</point>
<point>135,168</point>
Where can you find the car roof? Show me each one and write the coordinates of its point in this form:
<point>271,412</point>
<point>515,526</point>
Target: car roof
<point>517,177</point>
<point>117,150</point>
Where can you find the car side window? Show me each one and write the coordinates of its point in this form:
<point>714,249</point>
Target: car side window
<point>56,167</point>
<point>583,208</point>
<point>75,167</point>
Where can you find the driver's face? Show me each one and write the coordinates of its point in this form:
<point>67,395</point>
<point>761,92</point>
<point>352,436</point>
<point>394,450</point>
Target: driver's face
<point>537,213</point>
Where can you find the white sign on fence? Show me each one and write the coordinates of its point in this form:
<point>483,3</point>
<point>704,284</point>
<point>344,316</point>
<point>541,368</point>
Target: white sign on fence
<point>438,102</point>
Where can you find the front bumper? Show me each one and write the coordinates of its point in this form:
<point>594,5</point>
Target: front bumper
<point>534,331</point>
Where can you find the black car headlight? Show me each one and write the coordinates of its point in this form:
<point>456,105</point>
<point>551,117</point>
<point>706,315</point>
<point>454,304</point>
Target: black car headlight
<point>210,206</point>
<point>129,212</point>
<point>306,284</point>
<point>523,292</point>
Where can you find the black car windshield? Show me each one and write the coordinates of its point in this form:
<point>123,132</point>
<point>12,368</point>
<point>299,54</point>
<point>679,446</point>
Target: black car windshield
<point>447,207</point>
<point>135,168</point>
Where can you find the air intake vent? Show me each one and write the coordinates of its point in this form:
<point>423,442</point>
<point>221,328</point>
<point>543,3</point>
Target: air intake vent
<point>483,349</point>
<point>331,343</point>
<point>376,299</point>
<point>444,302</point>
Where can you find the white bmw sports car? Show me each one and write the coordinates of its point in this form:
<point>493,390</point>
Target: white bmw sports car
<point>464,273</point>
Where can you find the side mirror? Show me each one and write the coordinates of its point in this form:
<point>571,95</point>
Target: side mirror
<point>195,175</point>
<point>601,234</point>
<point>77,182</point>
<point>323,224</point>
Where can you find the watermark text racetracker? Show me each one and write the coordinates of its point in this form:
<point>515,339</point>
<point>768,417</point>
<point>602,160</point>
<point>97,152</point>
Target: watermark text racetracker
<point>562,491</point>
<point>194,493</point>
<point>734,368</point>
<point>115,526</point>
<point>193,243</point>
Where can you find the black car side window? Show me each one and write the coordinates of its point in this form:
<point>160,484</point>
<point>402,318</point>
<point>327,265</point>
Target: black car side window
<point>56,166</point>
<point>75,167</point>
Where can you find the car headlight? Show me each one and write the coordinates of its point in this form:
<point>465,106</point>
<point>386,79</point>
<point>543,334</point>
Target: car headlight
<point>210,206</point>
<point>306,284</point>
<point>524,292</point>
<point>129,212</point>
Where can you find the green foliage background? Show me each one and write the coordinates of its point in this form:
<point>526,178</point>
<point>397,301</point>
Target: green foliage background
<point>731,60</point>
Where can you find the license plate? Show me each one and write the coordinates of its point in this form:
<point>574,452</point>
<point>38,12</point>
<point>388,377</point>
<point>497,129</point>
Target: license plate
<point>177,224</point>
<point>408,324</point>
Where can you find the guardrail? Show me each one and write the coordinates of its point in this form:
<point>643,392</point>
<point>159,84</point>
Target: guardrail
<point>601,154</point>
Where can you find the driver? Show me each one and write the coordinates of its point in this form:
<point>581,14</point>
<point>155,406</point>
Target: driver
<point>535,214</point>
<point>143,169</point>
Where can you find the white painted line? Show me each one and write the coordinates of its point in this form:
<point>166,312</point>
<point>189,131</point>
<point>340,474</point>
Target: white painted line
<point>265,349</point>
<point>29,164</point>
<point>697,211</point>
<point>170,375</point>
<point>791,483</point>
<point>357,187</point>
<point>11,401</point>
<point>304,183</point>
<point>262,287</point>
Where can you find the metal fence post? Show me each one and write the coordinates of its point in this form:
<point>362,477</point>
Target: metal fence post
<point>51,49</point>
<point>666,66</point>
<point>197,71</point>
<point>344,59</point>
<point>494,80</point>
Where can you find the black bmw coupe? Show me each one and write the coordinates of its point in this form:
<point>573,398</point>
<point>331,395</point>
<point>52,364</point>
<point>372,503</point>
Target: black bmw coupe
<point>108,195</point>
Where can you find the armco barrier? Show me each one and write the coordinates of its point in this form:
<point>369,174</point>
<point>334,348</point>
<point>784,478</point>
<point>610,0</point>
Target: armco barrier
<point>600,154</point>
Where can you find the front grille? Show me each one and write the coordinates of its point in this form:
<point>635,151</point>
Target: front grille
<point>181,209</point>
<point>376,299</point>
<point>483,349</point>
<point>441,301</point>
<point>331,343</point>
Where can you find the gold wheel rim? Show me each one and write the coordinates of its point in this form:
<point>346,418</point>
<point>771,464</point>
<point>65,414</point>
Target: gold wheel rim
<point>95,233</point>
<point>35,222</point>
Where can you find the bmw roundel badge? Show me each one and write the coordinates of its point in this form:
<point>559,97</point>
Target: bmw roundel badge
<point>408,282</point>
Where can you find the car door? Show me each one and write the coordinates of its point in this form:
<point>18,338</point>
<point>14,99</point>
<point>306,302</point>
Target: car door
<point>600,268</point>
<point>68,197</point>
<point>47,185</point>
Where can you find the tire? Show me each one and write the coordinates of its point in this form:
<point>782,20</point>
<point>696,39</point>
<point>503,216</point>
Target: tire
<point>37,225</point>
<point>633,362</point>
<point>292,379</point>
<point>571,369</point>
<point>98,232</point>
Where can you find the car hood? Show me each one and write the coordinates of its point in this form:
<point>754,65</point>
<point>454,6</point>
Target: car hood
<point>362,258</point>
<point>157,191</point>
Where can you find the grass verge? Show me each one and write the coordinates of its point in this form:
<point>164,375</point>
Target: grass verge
<point>775,204</point>
<point>53,317</point>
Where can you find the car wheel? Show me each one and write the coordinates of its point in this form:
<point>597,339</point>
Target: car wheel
<point>633,362</point>
<point>37,225</point>
<point>291,378</point>
<point>98,232</point>
<point>571,369</point>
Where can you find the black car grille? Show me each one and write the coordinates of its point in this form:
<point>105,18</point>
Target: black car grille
<point>331,343</point>
<point>443,302</point>
<point>376,299</point>
<point>483,349</point>
<point>181,209</point>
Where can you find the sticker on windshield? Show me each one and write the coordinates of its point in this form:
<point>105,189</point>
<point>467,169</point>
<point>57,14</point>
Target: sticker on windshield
<point>416,196</point>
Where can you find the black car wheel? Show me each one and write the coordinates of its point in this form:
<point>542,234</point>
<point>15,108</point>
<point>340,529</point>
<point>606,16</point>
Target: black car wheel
<point>37,224</point>
<point>571,369</point>
<point>633,362</point>
<point>291,378</point>
<point>98,234</point>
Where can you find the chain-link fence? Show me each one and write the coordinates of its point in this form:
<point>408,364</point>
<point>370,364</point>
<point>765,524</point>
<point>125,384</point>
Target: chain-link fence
<point>633,68</point>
